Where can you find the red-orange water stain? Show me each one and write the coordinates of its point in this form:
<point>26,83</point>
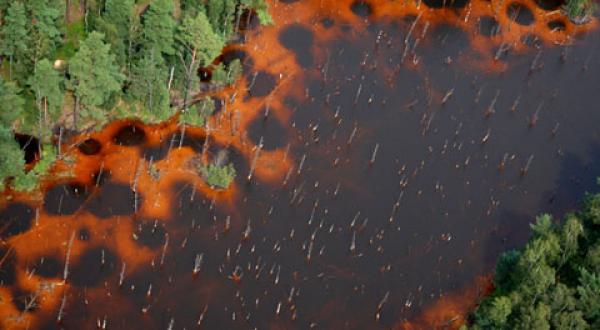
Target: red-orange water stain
<point>450,311</point>
<point>10,316</point>
<point>509,35</point>
<point>131,253</point>
<point>45,299</point>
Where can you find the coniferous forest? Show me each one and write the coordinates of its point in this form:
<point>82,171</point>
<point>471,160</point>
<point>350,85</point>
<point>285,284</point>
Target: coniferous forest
<point>554,281</point>
<point>76,65</point>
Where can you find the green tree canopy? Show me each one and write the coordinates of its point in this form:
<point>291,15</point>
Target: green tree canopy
<point>159,27</point>
<point>261,8</point>
<point>554,282</point>
<point>149,85</point>
<point>116,23</point>
<point>11,107</point>
<point>221,14</point>
<point>198,39</point>
<point>199,45</point>
<point>46,15</point>
<point>15,34</point>
<point>11,103</point>
<point>94,75</point>
<point>11,157</point>
<point>45,84</point>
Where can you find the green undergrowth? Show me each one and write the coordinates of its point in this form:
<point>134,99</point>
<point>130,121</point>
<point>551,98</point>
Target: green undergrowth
<point>196,115</point>
<point>29,181</point>
<point>579,10</point>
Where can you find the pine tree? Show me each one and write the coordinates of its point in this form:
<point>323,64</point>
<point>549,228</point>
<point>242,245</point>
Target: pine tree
<point>199,46</point>
<point>116,25</point>
<point>11,103</point>
<point>45,83</point>
<point>149,85</point>
<point>12,159</point>
<point>191,7</point>
<point>14,35</point>
<point>4,4</point>
<point>553,283</point>
<point>221,14</point>
<point>11,107</point>
<point>46,15</point>
<point>215,9</point>
<point>94,76</point>
<point>261,8</point>
<point>159,28</point>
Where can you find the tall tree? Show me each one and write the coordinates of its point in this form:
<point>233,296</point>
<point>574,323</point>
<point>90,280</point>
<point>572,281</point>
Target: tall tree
<point>570,234</point>
<point>149,85</point>
<point>45,83</point>
<point>221,14</point>
<point>94,76</point>
<point>191,7</point>
<point>4,4</point>
<point>119,13</point>
<point>11,103</point>
<point>260,7</point>
<point>199,46</point>
<point>12,160</point>
<point>116,24</point>
<point>214,9</point>
<point>159,27</point>
<point>11,107</point>
<point>14,35</point>
<point>589,294</point>
<point>46,16</point>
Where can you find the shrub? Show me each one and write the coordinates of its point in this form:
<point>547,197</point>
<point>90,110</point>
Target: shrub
<point>218,176</point>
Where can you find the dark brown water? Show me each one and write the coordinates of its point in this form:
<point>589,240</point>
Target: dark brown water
<point>408,173</point>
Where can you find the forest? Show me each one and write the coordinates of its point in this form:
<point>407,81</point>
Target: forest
<point>76,65</point>
<point>554,281</point>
